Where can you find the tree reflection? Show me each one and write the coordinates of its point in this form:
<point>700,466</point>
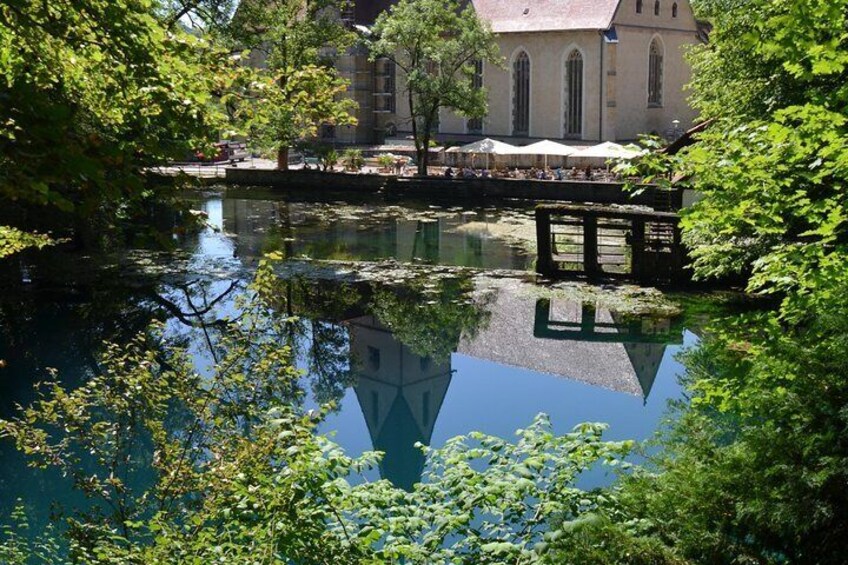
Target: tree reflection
<point>431,316</point>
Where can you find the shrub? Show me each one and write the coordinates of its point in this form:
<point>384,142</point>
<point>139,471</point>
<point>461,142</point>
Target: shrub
<point>386,161</point>
<point>352,159</point>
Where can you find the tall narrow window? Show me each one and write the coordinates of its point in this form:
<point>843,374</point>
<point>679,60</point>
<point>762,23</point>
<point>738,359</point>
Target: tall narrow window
<point>384,86</point>
<point>521,95</point>
<point>655,73</point>
<point>674,10</point>
<point>638,6</point>
<point>389,85</point>
<point>657,8</point>
<point>475,125</point>
<point>573,125</point>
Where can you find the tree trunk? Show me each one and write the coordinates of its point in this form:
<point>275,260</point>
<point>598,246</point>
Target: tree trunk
<point>419,155</point>
<point>283,158</point>
<point>424,153</point>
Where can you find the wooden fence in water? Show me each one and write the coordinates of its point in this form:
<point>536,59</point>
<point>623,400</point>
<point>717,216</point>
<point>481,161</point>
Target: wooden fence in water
<point>607,242</point>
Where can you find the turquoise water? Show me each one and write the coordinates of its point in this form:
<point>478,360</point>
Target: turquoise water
<point>369,335</point>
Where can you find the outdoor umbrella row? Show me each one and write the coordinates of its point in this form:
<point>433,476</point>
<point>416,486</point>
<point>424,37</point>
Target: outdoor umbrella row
<point>547,148</point>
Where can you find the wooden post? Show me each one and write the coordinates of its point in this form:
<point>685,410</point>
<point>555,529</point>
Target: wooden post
<point>590,245</point>
<point>544,256</point>
<point>587,319</point>
<point>543,318</point>
<point>637,248</point>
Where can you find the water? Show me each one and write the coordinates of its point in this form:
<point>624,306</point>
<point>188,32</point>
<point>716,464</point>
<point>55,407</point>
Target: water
<point>409,349</point>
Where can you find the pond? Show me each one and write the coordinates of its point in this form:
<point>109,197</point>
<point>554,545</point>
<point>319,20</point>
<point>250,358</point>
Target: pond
<point>419,322</point>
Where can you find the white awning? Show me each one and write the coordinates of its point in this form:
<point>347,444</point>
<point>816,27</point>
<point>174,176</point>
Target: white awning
<point>607,150</point>
<point>546,147</point>
<point>484,146</point>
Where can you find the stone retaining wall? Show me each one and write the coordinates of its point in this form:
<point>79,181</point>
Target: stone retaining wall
<point>441,188</point>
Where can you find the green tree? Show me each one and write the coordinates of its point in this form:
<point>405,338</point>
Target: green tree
<point>754,469</point>
<point>773,168</point>
<point>431,318</point>
<point>93,92</point>
<point>435,44</point>
<point>293,44</point>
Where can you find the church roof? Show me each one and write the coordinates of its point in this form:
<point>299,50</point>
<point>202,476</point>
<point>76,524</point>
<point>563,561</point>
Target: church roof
<point>512,16</point>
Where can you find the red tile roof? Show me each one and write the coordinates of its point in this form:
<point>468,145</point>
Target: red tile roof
<point>511,16</point>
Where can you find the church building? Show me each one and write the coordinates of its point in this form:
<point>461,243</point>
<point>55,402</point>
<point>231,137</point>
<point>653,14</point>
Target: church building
<point>575,70</point>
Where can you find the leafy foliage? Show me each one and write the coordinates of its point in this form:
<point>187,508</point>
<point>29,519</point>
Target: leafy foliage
<point>19,548</point>
<point>224,466</point>
<point>435,45</point>
<point>772,169</point>
<point>486,500</point>
<point>431,318</point>
<point>297,89</point>
<point>94,91</point>
<point>13,241</point>
<point>755,469</point>
<point>136,437</point>
<point>289,105</point>
<point>385,160</point>
<point>352,159</point>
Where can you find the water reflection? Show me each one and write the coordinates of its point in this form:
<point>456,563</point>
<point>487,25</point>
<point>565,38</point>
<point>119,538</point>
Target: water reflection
<point>642,339</point>
<point>417,360</point>
<point>401,385</point>
<point>400,394</point>
<point>343,232</point>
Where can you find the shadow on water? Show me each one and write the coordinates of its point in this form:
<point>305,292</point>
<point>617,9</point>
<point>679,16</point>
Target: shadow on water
<point>405,359</point>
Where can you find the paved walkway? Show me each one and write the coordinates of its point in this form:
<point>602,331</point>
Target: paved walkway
<point>218,170</point>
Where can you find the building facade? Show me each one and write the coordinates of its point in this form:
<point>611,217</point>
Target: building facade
<point>575,70</point>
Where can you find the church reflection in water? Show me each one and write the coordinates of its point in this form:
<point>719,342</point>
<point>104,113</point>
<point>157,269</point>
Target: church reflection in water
<point>400,393</point>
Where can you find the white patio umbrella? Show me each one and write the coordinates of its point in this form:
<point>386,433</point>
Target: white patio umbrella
<point>485,147</point>
<point>606,151</point>
<point>545,148</point>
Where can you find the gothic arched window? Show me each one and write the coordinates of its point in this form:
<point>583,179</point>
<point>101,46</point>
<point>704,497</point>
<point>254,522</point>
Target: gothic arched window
<point>573,124</point>
<point>521,94</point>
<point>638,6</point>
<point>657,8</point>
<point>655,73</point>
<point>674,10</point>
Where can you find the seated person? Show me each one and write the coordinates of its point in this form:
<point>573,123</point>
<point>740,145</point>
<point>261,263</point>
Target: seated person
<point>449,173</point>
